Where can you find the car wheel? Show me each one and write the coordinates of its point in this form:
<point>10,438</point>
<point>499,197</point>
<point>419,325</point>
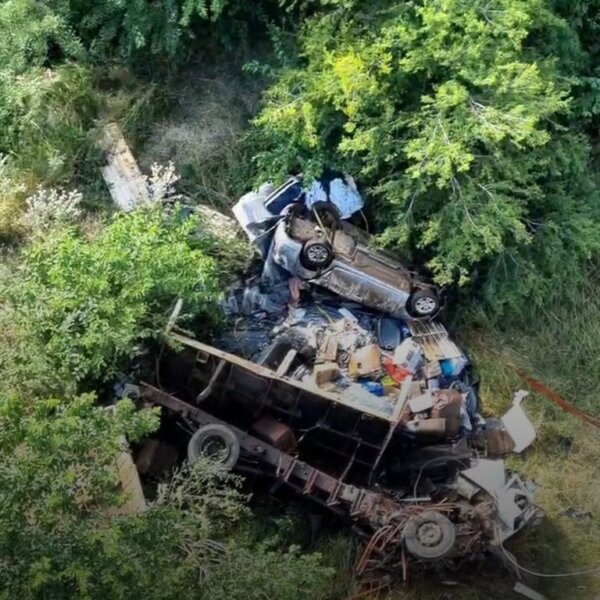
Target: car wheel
<point>215,442</point>
<point>328,213</point>
<point>423,303</point>
<point>429,536</point>
<point>316,254</point>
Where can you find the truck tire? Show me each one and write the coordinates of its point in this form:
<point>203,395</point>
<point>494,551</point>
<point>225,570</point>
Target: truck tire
<point>215,442</point>
<point>429,536</point>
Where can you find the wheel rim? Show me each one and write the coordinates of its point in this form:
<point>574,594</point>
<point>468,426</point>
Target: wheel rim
<point>215,448</point>
<point>425,306</point>
<point>430,534</point>
<point>317,254</point>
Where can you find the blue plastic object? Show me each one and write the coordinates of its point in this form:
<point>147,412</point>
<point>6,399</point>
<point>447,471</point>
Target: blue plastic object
<point>453,367</point>
<point>374,387</point>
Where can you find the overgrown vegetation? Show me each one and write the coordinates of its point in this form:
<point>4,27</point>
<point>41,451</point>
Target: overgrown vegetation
<point>63,534</point>
<point>79,306</point>
<point>471,127</point>
<point>461,120</point>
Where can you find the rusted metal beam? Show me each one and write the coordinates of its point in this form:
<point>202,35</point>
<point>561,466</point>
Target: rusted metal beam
<point>369,507</point>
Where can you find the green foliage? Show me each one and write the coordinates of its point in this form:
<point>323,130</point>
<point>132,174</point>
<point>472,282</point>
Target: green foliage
<point>46,457</point>
<point>33,35</point>
<point>450,115</point>
<point>137,29</point>
<point>584,17</point>
<point>267,573</point>
<point>76,308</point>
<point>562,221</point>
<point>45,112</point>
<point>45,117</point>
<point>52,55</point>
<point>62,534</point>
<point>12,202</point>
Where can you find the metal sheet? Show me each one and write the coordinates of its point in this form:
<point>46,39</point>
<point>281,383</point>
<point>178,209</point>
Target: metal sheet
<point>269,375</point>
<point>518,425</point>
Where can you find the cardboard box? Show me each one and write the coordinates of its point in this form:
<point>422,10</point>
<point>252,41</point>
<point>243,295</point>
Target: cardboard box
<point>365,361</point>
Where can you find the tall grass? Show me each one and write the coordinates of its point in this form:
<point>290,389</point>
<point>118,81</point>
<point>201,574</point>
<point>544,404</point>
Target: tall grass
<point>559,345</point>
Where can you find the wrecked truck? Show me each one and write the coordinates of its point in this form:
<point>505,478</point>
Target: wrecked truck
<point>417,498</point>
<point>332,380</point>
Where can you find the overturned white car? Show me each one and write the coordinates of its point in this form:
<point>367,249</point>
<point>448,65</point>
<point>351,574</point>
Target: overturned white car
<point>310,239</point>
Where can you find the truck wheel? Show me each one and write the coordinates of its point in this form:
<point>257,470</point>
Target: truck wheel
<point>429,536</point>
<point>316,254</point>
<point>423,303</point>
<point>215,442</point>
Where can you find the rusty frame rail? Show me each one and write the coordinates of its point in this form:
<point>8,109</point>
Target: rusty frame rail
<point>361,504</point>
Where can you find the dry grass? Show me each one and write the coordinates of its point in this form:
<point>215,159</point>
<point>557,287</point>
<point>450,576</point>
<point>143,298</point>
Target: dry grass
<point>204,134</point>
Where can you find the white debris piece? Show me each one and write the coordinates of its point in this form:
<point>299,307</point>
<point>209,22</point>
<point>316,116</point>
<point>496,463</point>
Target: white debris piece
<point>348,315</point>
<point>122,175</point>
<point>250,209</point>
<point>514,502</point>
<point>342,193</point>
<point>421,403</point>
<point>524,590</point>
<point>408,355</point>
<point>517,423</point>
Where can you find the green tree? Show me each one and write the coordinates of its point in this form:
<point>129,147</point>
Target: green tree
<point>582,54</point>
<point>453,114</point>
<point>62,535</point>
<point>136,29</point>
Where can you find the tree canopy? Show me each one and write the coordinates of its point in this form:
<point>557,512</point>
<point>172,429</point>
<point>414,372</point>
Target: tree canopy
<point>458,118</point>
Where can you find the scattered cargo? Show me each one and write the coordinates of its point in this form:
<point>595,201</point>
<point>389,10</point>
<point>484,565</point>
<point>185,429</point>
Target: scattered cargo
<point>331,378</point>
<point>373,416</point>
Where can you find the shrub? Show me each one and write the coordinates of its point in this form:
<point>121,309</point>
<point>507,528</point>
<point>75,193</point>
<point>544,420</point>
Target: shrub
<point>61,537</point>
<point>45,118</point>
<point>12,202</point>
<point>76,309</point>
<point>52,208</point>
<point>257,572</point>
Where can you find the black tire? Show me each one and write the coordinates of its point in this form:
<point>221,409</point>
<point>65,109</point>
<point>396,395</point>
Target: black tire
<point>316,254</point>
<point>216,442</point>
<point>329,214</point>
<point>429,536</point>
<point>423,303</point>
